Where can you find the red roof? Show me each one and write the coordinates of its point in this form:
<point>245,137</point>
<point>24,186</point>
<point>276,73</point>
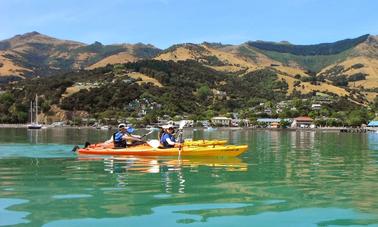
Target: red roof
<point>303,119</point>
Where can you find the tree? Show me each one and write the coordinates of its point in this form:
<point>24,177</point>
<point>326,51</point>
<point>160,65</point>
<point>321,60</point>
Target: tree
<point>375,104</point>
<point>358,117</point>
<point>203,92</point>
<point>284,123</point>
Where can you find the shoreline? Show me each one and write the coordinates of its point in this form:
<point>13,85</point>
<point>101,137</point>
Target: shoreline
<point>204,128</point>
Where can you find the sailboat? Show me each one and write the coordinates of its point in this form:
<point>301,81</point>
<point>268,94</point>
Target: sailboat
<point>34,124</point>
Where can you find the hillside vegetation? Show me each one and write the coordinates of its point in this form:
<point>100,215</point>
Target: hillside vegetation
<point>152,88</point>
<point>317,49</point>
<point>167,88</point>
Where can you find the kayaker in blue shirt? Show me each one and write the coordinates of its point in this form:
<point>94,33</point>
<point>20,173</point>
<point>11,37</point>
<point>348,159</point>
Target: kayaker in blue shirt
<point>168,140</point>
<point>123,135</point>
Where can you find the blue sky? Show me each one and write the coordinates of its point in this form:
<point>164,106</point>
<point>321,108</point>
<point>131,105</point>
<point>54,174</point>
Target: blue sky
<point>167,22</point>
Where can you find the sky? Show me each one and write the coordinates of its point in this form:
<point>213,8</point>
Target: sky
<point>167,22</point>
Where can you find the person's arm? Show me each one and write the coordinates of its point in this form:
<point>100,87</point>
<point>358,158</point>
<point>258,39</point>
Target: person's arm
<point>130,137</point>
<point>136,136</point>
<point>170,142</point>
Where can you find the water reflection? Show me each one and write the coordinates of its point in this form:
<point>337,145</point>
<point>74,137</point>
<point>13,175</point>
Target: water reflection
<point>201,214</point>
<point>154,165</point>
<point>373,141</point>
<point>170,169</point>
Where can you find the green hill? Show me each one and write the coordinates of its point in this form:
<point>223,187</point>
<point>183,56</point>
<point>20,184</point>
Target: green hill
<point>310,57</point>
<point>305,50</point>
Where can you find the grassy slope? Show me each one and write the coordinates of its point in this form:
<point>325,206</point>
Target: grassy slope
<point>119,58</point>
<point>144,78</point>
<point>307,87</point>
<point>313,63</point>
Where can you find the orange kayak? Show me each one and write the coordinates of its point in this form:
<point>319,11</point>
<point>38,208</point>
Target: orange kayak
<point>145,150</point>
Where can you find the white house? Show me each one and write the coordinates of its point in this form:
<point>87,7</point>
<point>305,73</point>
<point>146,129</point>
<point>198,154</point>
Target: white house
<point>225,121</point>
<point>316,106</point>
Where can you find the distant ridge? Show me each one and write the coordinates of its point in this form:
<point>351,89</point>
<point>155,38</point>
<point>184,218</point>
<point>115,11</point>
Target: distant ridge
<point>36,55</point>
<point>316,49</point>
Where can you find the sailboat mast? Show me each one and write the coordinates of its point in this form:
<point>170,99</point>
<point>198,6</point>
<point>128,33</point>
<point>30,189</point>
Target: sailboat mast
<point>36,109</point>
<point>31,111</point>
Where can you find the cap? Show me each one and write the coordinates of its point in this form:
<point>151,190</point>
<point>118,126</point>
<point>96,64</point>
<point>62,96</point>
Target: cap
<point>167,126</point>
<point>122,125</point>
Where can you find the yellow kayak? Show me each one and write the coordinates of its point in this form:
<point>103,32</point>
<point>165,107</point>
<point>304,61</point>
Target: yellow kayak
<point>145,150</point>
<point>204,143</point>
<point>189,143</point>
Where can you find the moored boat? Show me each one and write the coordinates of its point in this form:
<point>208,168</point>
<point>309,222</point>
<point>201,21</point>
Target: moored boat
<point>105,127</point>
<point>145,150</point>
<point>34,126</point>
<point>34,109</point>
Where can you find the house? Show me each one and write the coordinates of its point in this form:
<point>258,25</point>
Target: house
<point>189,123</point>
<point>224,121</point>
<point>205,123</point>
<point>303,122</point>
<point>323,98</point>
<point>316,106</point>
<point>220,95</point>
<point>373,124</point>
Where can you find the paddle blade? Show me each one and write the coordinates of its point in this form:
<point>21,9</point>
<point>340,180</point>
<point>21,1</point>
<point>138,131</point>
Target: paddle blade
<point>154,143</point>
<point>148,133</point>
<point>75,148</point>
<point>182,124</point>
<point>87,144</point>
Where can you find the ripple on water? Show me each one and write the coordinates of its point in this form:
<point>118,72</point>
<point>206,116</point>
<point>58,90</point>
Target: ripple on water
<point>71,196</point>
<point>9,217</point>
<point>197,215</point>
<point>274,201</point>
<point>162,196</point>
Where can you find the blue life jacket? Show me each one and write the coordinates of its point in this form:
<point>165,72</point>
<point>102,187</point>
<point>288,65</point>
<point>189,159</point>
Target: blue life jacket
<point>118,141</point>
<point>164,138</point>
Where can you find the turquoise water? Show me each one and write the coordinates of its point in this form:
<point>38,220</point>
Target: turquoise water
<point>287,178</point>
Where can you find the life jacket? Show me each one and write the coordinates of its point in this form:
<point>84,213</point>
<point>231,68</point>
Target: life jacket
<point>118,141</point>
<point>164,142</point>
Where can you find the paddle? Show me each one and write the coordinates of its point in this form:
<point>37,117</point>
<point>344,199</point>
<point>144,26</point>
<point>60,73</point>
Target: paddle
<point>140,138</point>
<point>148,133</point>
<point>181,127</point>
<point>76,147</point>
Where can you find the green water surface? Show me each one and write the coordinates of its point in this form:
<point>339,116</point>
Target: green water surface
<point>286,178</point>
